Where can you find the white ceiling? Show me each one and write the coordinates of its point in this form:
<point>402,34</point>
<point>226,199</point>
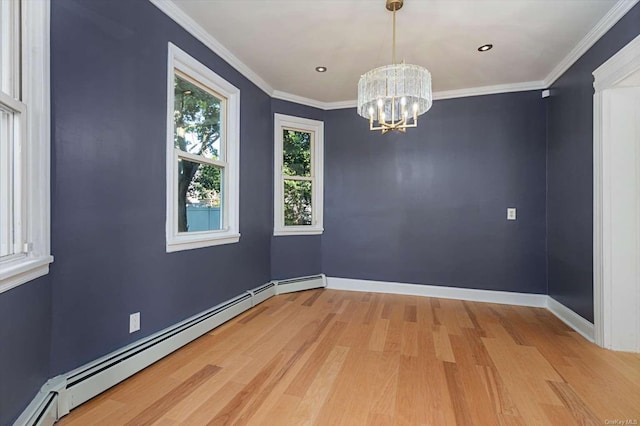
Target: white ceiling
<point>282,41</point>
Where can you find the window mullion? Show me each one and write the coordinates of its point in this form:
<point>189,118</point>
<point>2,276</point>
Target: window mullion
<point>200,159</point>
<point>11,103</point>
<point>303,178</point>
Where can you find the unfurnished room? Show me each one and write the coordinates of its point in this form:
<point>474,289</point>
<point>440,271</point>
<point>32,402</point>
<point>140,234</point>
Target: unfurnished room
<point>319,212</point>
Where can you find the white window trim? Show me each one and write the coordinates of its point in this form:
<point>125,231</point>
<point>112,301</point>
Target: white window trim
<point>36,177</point>
<point>317,197</point>
<point>179,59</point>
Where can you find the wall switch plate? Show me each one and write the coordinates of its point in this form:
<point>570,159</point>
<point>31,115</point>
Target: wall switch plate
<point>511,213</point>
<point>134,322</point>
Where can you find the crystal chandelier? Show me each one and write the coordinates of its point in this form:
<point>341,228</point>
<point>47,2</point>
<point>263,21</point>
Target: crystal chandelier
<point>394,95</point>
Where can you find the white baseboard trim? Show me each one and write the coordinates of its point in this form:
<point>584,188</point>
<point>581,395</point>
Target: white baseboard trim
<point>566,315</point>
<point>60,394</point>
<point>573,320</point>
<point>489,296</point>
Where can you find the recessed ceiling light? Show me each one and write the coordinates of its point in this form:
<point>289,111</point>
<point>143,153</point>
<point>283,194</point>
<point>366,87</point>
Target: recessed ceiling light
<point>321,69</point>
<point>485,47</point>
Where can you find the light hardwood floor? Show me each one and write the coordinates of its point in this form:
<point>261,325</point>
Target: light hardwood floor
<point>331,357</point>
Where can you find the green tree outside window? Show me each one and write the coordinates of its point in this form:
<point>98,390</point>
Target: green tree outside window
<point>197,119</point>
<point>297,189</point>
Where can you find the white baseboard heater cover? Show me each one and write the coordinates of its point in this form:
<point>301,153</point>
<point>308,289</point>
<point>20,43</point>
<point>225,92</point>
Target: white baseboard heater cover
<point>63,393</point>
<point>300,284</point>
<point>95,378</point>
<point>262,293</point>
<point>43,410</point>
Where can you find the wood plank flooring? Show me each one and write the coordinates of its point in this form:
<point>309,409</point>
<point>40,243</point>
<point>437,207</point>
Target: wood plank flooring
<point>331,357</point>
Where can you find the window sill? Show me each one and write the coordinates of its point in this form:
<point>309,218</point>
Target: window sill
<point>22,271</point>
<point>297,230</point>
<point>189,242</point>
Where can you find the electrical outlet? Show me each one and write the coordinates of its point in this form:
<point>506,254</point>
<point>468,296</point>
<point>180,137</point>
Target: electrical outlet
<point>511,213</point>
<point>134,322</point>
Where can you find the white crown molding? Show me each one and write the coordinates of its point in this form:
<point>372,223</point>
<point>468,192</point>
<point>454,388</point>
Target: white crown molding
<point>605,24</point>
<point>573,320</point>
<point>341,104</point>
<point>185,21</point>
<point>170,9</point>
<point>277,94</point>
<point>489,90</point>
<point>447,94</point>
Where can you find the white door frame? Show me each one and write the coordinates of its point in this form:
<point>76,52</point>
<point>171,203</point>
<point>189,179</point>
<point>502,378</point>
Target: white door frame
<point>609,239</point>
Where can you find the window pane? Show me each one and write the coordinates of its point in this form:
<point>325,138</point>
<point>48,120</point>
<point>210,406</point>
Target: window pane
<point>197,120</point>
<point>6,183</point>
<point>296,152</point>
<point>200,199</point>
<point>297,202</point>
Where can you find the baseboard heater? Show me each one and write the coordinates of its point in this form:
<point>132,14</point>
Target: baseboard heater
<point>43,410</point>
<point>65,392</point>
<point>260,294</point>
<point>302,283</point>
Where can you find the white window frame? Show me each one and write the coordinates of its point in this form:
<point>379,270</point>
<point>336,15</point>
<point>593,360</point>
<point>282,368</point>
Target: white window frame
<point>315,127</point>
<point>32,111</point>
<point>187,65</point>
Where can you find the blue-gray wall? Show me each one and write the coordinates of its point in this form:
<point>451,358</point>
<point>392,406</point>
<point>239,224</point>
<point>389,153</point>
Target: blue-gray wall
<point>429,206</point>
<point>109,83</point>
<point>570,171</point>
<point>299,255</point>
<point>25,338</point>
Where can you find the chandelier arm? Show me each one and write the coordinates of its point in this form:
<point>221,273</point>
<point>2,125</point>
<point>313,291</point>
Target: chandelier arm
<point>400,126</point>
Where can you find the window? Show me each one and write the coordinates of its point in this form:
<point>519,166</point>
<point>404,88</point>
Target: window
<point>203,145</point>
<point>24,141</point>
<point>298,183</point>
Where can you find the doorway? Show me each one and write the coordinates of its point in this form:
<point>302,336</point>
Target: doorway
<point>616,227</point>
